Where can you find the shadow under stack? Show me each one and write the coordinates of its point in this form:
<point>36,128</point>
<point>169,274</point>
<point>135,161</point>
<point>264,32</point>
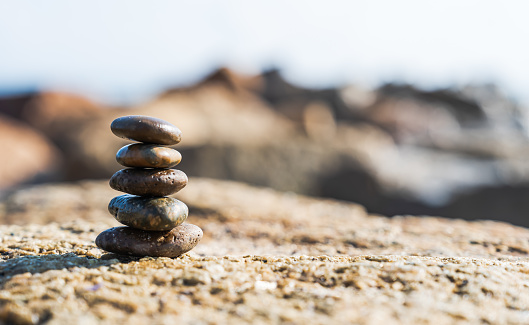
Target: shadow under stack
<point>155,221</point>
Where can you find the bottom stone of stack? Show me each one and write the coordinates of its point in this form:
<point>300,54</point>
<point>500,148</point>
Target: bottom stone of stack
<point>137,242</point>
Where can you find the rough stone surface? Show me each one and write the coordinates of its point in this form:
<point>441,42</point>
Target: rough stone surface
<point>146,129</point>
<point>149,182</point>
<point>148,213</point>
<point>148,156</point>
<point>266,257</point>
<point>136,242</point>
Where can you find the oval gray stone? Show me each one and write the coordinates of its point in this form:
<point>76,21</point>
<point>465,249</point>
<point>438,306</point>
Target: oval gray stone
<point>148,213</point>
<point>148,156</point>
<point>137,242</point>
<point>146,129</point>
<point>148,182</point>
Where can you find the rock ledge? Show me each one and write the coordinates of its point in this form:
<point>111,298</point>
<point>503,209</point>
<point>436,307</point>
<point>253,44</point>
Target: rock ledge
<point>266,257</point>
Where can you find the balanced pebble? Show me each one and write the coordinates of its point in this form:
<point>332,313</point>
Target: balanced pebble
<point>148,156</point>
<point>148,182</point>
<point>148,213</point>
<point>136,242</point>
<point>146,129</point>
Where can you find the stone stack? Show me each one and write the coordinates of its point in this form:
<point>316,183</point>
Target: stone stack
<point>155,221</point>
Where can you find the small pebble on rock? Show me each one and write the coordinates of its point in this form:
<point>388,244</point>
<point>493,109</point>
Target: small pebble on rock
<point>137,242</point>
<point>148,213</point>
<point>146,129</point>
<point>148,182</point>
<point>148,156</point>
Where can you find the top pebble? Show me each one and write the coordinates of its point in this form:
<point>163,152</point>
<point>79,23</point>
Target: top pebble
<point>146,129</point>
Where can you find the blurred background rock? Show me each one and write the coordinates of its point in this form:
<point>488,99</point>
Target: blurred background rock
<point>455,148</point>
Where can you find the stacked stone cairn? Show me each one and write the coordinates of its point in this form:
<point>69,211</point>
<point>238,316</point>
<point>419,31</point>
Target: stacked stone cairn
<point>155,221</point>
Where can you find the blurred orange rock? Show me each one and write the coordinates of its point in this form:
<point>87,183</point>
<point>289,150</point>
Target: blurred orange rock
<point>55,114</point>
<point>27,156</point>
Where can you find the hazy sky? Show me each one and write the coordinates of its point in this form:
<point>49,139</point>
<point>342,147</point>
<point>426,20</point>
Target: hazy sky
<point>128,50</point>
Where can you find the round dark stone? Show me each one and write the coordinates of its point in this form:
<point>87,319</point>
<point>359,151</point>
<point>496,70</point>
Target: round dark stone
<point>137,242</point>
<point>148,182</point>
<point>148,156</point>
<point>148,213</point>
<point>146,129</point>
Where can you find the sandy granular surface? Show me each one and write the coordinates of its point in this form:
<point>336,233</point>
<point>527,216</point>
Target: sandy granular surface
<point>266,257</point>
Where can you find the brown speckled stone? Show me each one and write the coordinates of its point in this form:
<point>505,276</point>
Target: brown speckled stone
<point>288,259</point>
<point>136,242</point>
<point>148,156</point>
<point>146,129</point>
<point>148,182</point>
<point>148,213</point>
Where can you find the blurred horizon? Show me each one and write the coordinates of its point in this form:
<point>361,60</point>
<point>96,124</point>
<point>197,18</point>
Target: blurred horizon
<point>127,52</point>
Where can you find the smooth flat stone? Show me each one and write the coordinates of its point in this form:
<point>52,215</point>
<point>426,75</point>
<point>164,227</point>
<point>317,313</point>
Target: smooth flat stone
<point>148,156</point>
<point>137,242</point>
<point>148,213</point>
<point>146,129</point>
<point>148,182</point>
